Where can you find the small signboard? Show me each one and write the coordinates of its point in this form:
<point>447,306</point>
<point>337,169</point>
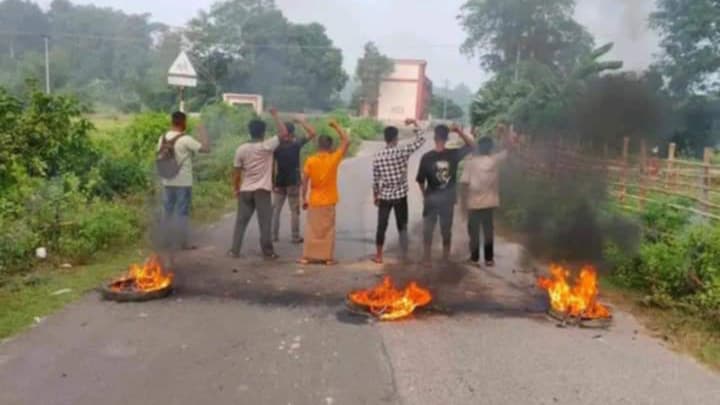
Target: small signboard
<point>182,73</point>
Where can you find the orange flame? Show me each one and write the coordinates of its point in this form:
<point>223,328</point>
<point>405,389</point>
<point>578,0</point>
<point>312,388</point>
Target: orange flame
<point>579,300</point>
<point>390,304</point>
<point>147,278</point>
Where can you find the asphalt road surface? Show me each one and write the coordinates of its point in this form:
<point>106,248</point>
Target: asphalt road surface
<point>248,332</point>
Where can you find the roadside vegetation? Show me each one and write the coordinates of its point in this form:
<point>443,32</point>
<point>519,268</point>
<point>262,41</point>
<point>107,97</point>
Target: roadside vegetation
<point>662,263</point>
<point>86,193</point>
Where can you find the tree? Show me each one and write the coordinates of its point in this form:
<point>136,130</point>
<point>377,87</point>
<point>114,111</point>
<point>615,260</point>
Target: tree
<point>444,107</point>
<point>506,32</point>
<point>371,69</point>
<point>22,22</point>
<point>539,99</point>
<point>249,46</point>
<point>690,31</point>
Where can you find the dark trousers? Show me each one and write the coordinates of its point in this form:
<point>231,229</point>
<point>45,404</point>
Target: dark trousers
<point>434,212</point>
<point>401,218</point>
<point>476,219</point>
<point>248,203</point>
<point>176,216</point>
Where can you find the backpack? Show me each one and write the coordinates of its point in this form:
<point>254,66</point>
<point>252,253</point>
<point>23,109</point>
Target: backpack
<point>167,166</point>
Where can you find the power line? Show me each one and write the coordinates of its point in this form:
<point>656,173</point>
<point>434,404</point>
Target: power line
<point>139,39</point>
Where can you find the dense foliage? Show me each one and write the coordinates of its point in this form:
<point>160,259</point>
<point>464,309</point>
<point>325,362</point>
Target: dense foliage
<point>506,32</point>
<point>118,61</point>
<point>249,46</point>
<point>678,262</point>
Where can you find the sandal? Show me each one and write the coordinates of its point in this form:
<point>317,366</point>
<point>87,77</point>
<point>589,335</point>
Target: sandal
<point>376,260</point>
<point>303,262</point>
<point>330,263</point>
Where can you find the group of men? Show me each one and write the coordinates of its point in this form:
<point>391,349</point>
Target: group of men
<point>267,174</point>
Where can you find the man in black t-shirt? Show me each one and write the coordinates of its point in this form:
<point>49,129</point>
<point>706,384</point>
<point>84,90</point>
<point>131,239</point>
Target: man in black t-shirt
<point>287,179</point>
<point>437,177</point>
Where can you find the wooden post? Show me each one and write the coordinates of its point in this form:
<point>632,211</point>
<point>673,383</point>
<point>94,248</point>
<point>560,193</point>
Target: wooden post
<point>707,159</point>
<point>669,175</point>
<point>625,151</point>
<point>643,172</point>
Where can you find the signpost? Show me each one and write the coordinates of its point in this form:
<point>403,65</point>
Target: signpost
<point>182,74</point>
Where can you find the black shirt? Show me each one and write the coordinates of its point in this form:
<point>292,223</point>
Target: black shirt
<point>438,170</point>
<point>287,158</point>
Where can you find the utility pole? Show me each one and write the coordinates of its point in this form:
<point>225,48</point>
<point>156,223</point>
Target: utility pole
<point>47,64</point>
<point>445,99</point>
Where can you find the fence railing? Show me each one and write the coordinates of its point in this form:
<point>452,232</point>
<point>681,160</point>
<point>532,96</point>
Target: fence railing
<point>637,179</point>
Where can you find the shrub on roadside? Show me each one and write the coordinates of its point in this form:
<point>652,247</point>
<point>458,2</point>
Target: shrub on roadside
<point>678,262</point>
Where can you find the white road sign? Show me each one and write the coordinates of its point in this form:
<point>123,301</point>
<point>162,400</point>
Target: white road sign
<point>182,73</point>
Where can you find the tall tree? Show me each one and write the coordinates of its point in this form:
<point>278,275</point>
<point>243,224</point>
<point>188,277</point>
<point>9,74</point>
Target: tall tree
<point>22,23</point>
<point>371,69</point>
<point>504,33</point>
<point>690,31</point>
<point>445,107</point>
<point>249,46</point>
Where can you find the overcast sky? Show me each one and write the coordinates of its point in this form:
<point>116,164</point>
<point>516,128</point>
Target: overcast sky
<point>424,29</point>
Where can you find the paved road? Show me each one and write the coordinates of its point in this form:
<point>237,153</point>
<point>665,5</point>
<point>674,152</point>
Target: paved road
<point>241,332</point>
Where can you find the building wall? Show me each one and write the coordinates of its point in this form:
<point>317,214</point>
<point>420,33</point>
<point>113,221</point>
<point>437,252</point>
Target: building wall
<point>403,94</point>
<point>398,101</point>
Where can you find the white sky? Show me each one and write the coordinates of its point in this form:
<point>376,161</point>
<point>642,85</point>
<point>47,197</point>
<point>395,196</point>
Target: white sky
<point>424,29</point>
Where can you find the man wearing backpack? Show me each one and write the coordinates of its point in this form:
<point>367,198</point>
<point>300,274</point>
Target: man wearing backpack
<point>175,153</point>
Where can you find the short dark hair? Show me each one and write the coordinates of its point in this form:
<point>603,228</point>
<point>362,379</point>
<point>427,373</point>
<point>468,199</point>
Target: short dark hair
<point>178,119</point>
<point>442,132</point>
<point>290,127</point>
<point>391,134</point>
<point>485,146</point>
<point>325,142</point>
<point>257,128</point>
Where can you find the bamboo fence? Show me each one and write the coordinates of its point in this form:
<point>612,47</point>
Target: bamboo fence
<point>635,180</point>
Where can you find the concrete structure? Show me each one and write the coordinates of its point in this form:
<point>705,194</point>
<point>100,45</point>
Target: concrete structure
<point>405,93</point>
<point>253,100</point>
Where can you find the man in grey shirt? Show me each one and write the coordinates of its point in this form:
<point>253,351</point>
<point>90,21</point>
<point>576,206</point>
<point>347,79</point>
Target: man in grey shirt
<point>252,180</point>
<point>177,191</point>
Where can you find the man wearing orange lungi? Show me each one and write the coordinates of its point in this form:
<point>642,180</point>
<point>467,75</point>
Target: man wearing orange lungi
<point>320,180</point>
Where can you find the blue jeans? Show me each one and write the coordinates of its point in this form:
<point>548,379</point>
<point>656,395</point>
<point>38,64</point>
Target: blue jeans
<point>176,218</point>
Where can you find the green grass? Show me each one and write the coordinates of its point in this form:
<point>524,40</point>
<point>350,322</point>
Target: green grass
<point>106,123</point>
<point>30,296</point>
<point>685,332</point>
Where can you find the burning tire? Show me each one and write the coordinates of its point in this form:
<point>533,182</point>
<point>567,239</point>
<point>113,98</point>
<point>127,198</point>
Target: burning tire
<point>589,323</point>
<point>133,296</point>
<point>141,283</point>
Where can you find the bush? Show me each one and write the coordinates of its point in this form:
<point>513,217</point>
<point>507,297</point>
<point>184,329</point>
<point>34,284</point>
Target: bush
<point>98,226</point>
<point>17,246</point>
<point>45,135</point>
<point>678,262</point>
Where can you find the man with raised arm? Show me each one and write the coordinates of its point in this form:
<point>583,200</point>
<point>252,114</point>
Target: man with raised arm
<point>320,196</point>
<point>437,178</point>
<point>252,183</point>
<point>288,178</point>
<point>390,186</point>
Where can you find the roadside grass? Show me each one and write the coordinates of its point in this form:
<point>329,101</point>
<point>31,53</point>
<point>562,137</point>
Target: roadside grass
<point>28,298</point>
<point>685,333</point>
<point>107,123</point>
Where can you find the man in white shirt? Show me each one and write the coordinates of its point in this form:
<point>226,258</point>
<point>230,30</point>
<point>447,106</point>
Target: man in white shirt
<point>481,173</point>
<point>177,191</point>
<point>252,180</point>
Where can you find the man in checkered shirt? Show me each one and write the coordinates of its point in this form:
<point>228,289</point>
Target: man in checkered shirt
<point>390,185</point>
